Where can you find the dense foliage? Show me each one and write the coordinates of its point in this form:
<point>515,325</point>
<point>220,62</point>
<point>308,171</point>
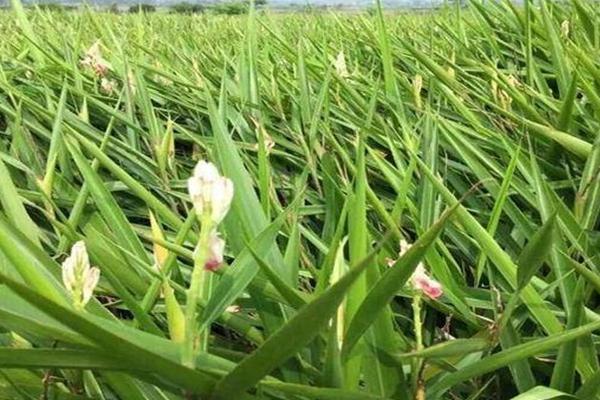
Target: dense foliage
<point>472,133</point>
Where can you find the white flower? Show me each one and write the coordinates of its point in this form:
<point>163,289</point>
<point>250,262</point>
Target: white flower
<point>107,85</point>
<point>210,192</point>
<point>233,309</point>
<point>93,59</point>
<point>72,264</point>
<point>420,280</point>
<point>79,278</point>
<point>404,246</point>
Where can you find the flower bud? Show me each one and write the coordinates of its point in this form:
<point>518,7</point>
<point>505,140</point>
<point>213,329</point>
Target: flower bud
<point>233,309</point>
<point>79,278</point>
<point>420,280</point>
<point>93,60</point>
<point>424,283</point>
<point>210,192</point>
<point>216,246</point>
<point>107,86</point>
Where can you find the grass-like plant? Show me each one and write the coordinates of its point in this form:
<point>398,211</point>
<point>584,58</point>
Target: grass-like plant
<point>303,206</point>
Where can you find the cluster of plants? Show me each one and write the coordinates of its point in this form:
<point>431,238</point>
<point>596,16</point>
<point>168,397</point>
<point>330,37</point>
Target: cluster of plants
<point>307,206</point>
<point>187,8</point>
<point>142,8</point>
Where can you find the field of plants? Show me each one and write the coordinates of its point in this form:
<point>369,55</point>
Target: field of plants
<point>301,206</point>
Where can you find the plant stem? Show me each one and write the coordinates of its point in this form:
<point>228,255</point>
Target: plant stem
<point>195,291</point>
<point>417,364</point>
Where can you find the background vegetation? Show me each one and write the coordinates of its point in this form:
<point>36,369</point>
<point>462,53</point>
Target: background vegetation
<point>333,163</point>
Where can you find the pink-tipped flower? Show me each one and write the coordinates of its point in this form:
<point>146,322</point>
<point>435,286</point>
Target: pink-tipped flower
<point>420,280</point>
<point>93,60</point>
<point>210,191</point>
<point>423,282</point>
<point>216,246</point>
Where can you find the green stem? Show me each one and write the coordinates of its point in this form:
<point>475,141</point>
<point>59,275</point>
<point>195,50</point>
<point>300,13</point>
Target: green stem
<point>418,328</point>
<point>418,324</point>
<point>205,292</point>
<point>77,295</point>
<point>195,291</point>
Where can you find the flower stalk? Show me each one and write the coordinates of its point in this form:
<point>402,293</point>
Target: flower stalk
<point>418,362</point>
<point>199,289</point>
<point>211,194</point>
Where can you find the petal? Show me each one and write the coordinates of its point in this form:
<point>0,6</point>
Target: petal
<point>90,281</point>
<point>206,171</point>
<point>222,195</point>
<point>68,273</point>
<point>433,290</point>
<point>429,286</point>
<point>404,246</point>
<point>212,265</point>
<point>194,186</point>
<point>80,257</point>
<point>216,247</point>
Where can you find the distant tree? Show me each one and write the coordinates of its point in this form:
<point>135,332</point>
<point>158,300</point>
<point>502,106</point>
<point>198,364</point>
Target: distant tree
<point>231,8</point>
<point>187,8</point>
<point>260,3</point>
<point>114,9</point>
<point>143,8</point>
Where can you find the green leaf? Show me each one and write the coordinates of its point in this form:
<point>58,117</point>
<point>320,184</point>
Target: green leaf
<point>127,352</point>
<point>450,348</point>
<point>303,327</point>
<point>543,393</point>
<point>535,252</point>
<point>110,210</point>
<point>14,208</point>
<point>390,282</point>
<point>506,357</point>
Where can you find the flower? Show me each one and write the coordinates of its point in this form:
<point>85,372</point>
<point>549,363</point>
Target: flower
<point>93,59</point>
<point>422,281</point>
<point>216,245</point>
<point>404,246</point>
<point>233,309</point>
<point>107,86</point>
<point>79,278</point>
<point>210,192</point>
